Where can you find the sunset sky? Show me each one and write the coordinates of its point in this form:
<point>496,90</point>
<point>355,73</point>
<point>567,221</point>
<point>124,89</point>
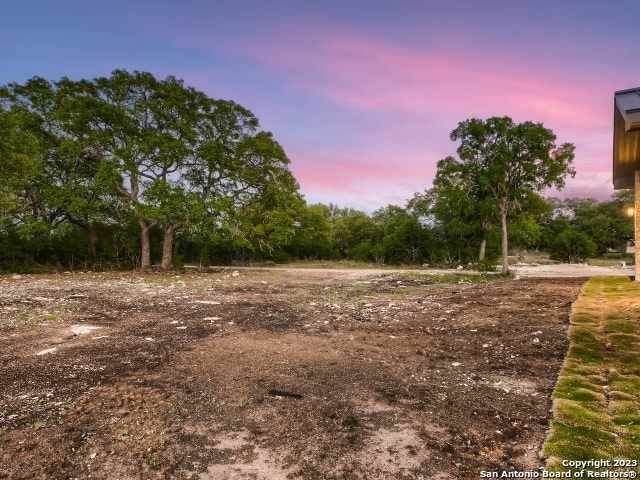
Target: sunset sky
<point>361,94</point>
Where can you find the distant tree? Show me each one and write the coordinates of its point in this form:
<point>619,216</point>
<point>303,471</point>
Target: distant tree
<point>572,246</point>
<point>351,228</point>
<point>312,237</point>
<point>606,223</point>
<point>404,238</point>
<point>503,162</point>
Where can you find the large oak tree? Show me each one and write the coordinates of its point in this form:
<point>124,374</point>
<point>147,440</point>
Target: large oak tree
<point>504,163</point>
<point>161,151</point>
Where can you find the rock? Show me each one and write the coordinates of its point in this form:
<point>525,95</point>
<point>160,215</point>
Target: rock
<point>235,273</point>
<point>456,364</point>
<point>46,351</point>
<point>16,277</point>
<point>82,329</point>
<point>536,340</point>
<point>184,327</point>
<point>207,302</point>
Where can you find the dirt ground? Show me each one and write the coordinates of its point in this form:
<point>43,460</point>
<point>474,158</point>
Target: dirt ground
<point>276,374</point>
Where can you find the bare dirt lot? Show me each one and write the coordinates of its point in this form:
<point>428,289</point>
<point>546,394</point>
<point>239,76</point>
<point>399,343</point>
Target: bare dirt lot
<point>262,374</point>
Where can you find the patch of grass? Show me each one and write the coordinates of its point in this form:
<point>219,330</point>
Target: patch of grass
<point>460,277</point>
<point>597,398</point>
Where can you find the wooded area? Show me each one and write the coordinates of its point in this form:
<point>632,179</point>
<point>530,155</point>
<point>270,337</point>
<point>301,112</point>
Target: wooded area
<point>130,172</point>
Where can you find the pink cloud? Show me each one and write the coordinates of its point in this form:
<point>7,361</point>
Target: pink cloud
<point>429,90</point>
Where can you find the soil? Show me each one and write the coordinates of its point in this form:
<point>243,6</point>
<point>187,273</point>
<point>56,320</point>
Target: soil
<point>276,374</point>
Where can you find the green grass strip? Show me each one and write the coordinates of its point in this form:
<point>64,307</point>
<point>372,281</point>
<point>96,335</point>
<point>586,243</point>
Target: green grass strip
<point>596,403</point>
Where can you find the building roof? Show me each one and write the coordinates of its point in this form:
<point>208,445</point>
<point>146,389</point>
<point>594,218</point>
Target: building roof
<point>626,137</point>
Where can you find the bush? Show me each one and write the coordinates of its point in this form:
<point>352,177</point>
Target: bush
<point>572,246</point>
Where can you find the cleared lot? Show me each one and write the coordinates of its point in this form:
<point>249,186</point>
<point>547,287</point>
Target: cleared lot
<point>276,374</point>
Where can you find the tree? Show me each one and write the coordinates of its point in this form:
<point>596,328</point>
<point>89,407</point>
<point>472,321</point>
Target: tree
<point>404,239</point>
<point>177,156</point>
<point>572,246</point>
<point>606,223</point>
<point>463,212</point>
<point>503,162</point>
<point>130,144</point>
<point>351,228</point>
<point>57,168</point>
<point>312,233</point>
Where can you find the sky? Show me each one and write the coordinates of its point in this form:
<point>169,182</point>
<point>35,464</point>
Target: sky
<point>362,94</point>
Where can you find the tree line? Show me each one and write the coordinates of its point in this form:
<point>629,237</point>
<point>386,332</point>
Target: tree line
<point>129,171</point>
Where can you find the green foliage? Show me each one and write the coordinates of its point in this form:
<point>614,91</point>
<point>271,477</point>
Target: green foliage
<point>130,145</point>
<point>501,165</point>
<point>125,170</point>
<point>572,246</point>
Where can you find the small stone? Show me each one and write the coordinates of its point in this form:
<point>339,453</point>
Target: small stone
<point>46,351</point>
<point>456,364</point>
<point>184,327</point>
<point>536,340</point>
<point>82,329</point>
<point>235,273</point>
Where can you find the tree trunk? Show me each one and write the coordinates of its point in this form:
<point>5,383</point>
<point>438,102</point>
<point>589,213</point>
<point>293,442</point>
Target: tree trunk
<point>505,240</point>
<point>93,241</point>
<point>483,248</point>
<point>145,258</point>
<point>167,245</point>
<point>92,235</point>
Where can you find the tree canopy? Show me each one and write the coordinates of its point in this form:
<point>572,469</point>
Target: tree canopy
<point>154,150</point>
<point>128,170</point>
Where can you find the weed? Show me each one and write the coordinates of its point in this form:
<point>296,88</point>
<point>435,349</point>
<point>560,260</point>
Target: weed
<point>153,461</point>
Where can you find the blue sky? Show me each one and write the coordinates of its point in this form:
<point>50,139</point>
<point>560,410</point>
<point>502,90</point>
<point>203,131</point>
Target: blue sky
<point>361,94</point>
